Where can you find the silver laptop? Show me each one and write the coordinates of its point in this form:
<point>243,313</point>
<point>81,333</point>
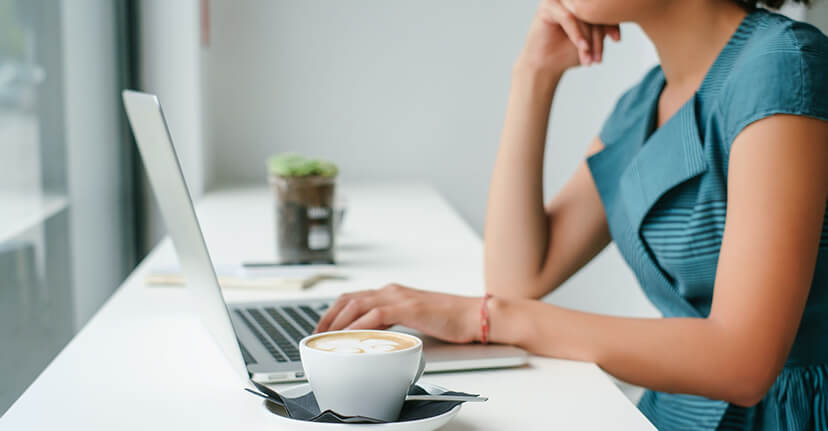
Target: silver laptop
<point>259,339</point>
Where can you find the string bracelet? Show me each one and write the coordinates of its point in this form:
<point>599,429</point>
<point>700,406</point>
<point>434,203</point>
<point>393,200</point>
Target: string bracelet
<point>484,319</point>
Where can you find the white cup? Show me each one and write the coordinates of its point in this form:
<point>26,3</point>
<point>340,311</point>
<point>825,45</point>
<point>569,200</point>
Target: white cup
<point>372,385</point>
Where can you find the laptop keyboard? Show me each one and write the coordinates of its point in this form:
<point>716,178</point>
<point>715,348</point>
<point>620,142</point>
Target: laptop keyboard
<point>279,329</point>
<point>304,324</point>
<point>294,333</point>
<point>265,340</point>
<point>248,358</point>
<point>310,312</point>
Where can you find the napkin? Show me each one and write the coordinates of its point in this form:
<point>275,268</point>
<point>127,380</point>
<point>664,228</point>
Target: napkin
<point>305,407</point>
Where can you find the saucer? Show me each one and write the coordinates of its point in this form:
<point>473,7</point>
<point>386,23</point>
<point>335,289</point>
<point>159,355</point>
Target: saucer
<point>427,424</point>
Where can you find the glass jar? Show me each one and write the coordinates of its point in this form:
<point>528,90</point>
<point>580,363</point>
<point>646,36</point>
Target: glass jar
<point>304,217</point>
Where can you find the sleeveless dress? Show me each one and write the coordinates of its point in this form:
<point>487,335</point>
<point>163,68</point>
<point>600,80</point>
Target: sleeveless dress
<point>665,196</point>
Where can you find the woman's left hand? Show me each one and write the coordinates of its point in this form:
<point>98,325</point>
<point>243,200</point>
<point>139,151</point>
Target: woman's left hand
<point>450,318</point>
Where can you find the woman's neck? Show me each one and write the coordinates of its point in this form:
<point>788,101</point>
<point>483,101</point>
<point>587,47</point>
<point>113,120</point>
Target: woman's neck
<point>688,36</point>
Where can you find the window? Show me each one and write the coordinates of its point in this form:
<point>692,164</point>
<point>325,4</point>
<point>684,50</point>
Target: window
<point>67,235</point>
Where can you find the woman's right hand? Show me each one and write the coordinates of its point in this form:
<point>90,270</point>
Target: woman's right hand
<point>558,40</point>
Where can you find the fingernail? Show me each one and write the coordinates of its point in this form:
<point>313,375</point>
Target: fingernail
<point>583,45</point>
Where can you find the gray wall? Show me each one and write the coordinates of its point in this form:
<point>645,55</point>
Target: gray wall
<point>401,91</point>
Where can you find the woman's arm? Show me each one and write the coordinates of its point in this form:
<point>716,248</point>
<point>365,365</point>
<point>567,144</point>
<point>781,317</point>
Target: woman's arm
<point>777,192</point>
<point>529,249</point>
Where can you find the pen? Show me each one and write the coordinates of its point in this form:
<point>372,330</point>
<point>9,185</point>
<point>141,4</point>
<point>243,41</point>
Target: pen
<point>274,263</point>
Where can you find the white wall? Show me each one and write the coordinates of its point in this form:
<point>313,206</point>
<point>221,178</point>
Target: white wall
<point>401,90</point>
<point>170,66</point>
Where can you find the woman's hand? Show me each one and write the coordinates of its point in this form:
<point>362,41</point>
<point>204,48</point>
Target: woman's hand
<point>450,318</point>
<point>558,40</point>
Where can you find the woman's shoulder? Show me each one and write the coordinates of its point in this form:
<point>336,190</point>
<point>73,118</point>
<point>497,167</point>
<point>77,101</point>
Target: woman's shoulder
<point>777,48</point>
<point>769,31</point>
<point>781,68</point>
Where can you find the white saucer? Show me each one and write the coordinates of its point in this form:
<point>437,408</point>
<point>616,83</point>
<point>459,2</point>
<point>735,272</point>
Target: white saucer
<point>427,424</point>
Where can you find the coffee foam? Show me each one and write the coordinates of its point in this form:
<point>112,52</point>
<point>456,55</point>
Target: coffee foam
<point>367,343</point>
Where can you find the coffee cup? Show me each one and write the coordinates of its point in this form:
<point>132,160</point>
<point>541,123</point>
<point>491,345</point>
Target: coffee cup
<point>362,372</point>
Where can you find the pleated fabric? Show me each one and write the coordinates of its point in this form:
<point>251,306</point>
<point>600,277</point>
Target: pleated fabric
<point>664,191</point>
<point>797,402</point>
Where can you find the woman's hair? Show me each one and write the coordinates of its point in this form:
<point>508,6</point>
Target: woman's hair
<point>773,4</point>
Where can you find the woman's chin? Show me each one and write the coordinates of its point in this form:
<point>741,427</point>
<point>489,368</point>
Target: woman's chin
<point>602,11</point>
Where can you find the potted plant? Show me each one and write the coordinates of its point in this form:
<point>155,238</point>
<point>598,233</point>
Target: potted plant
<point>304,194</point>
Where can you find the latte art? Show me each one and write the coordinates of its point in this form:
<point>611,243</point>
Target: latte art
<point>361,342</point>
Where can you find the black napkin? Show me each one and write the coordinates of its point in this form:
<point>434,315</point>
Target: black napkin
<point>305,407</point>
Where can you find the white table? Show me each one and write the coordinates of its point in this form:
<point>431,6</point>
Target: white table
<point>144,361</point>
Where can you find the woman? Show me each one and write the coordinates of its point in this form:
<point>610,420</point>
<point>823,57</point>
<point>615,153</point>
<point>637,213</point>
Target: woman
<point>711,176</point>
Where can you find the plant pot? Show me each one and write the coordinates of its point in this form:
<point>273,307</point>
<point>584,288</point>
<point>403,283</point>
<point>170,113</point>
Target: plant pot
<point>304,215</point>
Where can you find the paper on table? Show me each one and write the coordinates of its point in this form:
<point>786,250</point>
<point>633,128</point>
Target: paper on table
<point>237,276</point>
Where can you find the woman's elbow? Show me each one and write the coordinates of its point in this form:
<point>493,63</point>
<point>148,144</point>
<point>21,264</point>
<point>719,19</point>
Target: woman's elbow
<point>748,386</point>
<point>748,394</point>
<point>747,362</point>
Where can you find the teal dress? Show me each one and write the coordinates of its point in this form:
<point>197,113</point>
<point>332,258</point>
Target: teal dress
<point>664,191</point>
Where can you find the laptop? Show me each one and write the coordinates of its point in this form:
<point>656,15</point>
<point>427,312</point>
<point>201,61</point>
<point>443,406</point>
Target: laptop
<point>259,339</point>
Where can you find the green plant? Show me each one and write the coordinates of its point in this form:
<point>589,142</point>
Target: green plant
<point>296,165</point>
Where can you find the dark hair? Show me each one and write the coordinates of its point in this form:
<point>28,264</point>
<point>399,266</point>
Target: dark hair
<point>773,4</point>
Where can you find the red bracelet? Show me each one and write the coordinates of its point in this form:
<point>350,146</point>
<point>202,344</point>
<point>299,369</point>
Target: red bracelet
<point>484,320</point>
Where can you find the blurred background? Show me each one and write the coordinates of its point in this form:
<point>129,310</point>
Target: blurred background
<point>390,91</point>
